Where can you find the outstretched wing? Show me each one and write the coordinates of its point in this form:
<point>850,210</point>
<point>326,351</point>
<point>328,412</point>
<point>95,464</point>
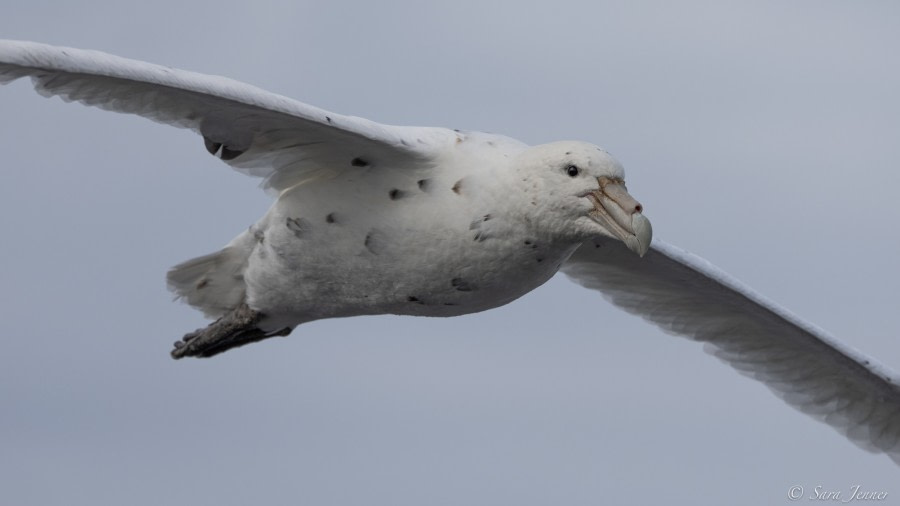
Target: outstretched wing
<point>810,370</point>
<point>257,132</point>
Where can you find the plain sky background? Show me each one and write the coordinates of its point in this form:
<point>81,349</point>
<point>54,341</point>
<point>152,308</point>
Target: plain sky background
<point>764,136</point>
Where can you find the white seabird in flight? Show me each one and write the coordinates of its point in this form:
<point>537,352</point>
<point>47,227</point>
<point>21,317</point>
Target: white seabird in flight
<point>375,219</point>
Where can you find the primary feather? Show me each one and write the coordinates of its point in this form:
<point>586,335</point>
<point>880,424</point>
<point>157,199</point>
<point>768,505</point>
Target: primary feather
<point>812,371</point>
<point>280,139</point>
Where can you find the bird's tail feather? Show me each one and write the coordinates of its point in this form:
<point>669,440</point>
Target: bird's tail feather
<point>213,283</point>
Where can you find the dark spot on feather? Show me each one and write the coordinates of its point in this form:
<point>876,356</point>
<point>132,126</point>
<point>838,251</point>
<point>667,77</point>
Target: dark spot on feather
<point>259,236</point>
<point>358,162</point>
<point>397,194</point>
<point>202,284</point>
<point>298,226</point>
<point>330,218</point>
<point>490,143</point>
<point>328,119</point>
<point>456,187</point>
<point>229,154</point>
<point>375,242</point>
<point>424,184</point>
<point>212,147</point>
<point>461,285</point>
<point>404,142</point>
<point>568,152</point>
<point>486,217</point>
<point>450,304</point>
<point>480,236</point>
<point>539,259</point>
<point>414,299</point>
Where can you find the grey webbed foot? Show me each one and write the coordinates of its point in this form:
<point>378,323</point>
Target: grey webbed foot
<point>234,329</point>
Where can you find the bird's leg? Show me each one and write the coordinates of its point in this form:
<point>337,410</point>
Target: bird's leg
<point>235,328</point>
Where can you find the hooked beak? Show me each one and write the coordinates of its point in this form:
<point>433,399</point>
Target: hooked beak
<point>620,214</point>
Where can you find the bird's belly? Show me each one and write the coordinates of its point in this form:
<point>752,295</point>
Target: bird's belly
<point>341,265</point>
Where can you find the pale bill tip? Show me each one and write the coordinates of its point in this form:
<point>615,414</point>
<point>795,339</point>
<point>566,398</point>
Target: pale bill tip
<point>643,234</point>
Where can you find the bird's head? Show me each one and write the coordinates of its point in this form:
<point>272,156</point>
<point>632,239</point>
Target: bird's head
<point>579,191</point>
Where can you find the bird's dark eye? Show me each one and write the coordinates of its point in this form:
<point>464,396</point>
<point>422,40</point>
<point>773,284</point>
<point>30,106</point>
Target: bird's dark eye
<point>572,171</point>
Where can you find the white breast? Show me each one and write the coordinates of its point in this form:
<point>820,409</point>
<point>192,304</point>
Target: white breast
<point>427,242</point>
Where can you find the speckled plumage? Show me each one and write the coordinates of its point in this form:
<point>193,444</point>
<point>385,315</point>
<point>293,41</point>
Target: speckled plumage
<point>374,218</point>
<point>455,252</point>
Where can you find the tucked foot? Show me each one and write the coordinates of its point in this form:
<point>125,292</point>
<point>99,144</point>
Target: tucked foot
<point>236,328</point>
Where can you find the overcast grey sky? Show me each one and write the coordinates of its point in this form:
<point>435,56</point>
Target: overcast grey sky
<point>760,135</point>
